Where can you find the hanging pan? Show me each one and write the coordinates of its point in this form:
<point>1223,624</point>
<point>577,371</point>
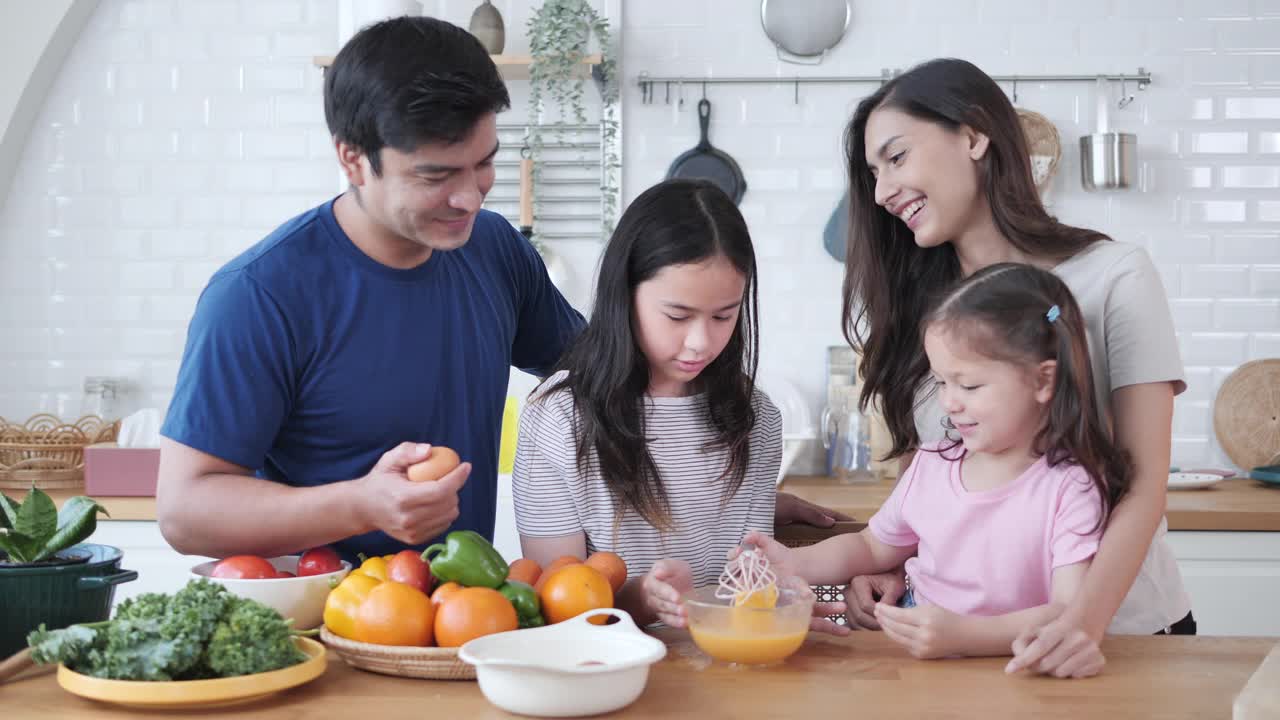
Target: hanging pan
<point>706,162</point>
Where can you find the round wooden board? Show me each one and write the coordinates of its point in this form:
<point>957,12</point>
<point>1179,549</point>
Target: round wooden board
<point>1246,413</point>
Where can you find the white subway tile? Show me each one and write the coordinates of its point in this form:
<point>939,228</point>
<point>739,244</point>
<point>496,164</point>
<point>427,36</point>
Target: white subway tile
<point>302,45</point>
<point>243,177</point>
<point>195,275</point>
<point>1053,40</point>
<point>1200,386</point>
<point>1267,8</point>
<point>87,211</point>
<point>1216,9</point>
<point>109,241</point>
<point>1182,248</point>
<point>1219,142</point>
<point>115,179</point>
<point>1265,345</point>
<point>210,210</point>
<point>274,77</point>
<point>1250,177</point>
<point>209,79</point>
<point>1252,108</point>
<point>143,14</point>
<point>179,45</point>
<point>1215,211</point>
<point>1264,280</point>
<point>1169,37</point>
<point>176,113</point>
<point>148,211</point>
<point>120,47</point>
<point>172,311</point>
<point>147,275</point>
<point>1266,70</point>
<point>304,177</point>
<point>1192,418</point>
<point>1249,248</point>
<point>1268,211</point>
<point>1197,178</point>
<point>145,145</point>
<point>275,145</point>
<point>1218,349</point>
<point>1268,142</point>
<point>211,144</point>
<point>242,113</point>
<point>1258,35</point>
<point>1219,70</point>
<point>210,13</point>
<point>1192,315</point>
<point>1189,451</point>
<point>1248,315</point>
<point>299,110</point>
<point>239,46</point>
<point>175,178</point>
<point>144,78</point>
<point>180,243</point>
<point>999,11</point>
<point>1214,281</point>
<point>943,11</point>
<point>1149,9</point>
<point>975,41</point>
<point>140,342</point>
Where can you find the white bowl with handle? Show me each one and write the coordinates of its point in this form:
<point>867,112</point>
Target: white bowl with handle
<point>569,669</point>
<point>299,598</point>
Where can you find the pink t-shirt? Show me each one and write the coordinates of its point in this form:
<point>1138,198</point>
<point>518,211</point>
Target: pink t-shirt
<point>989,552</point>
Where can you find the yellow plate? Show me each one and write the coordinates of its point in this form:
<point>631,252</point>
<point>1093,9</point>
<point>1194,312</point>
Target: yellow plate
<point>197,693</point>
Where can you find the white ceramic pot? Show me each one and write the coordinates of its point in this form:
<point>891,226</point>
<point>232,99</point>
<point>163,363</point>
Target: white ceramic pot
<point>300,598</point>
<point>569,669</point>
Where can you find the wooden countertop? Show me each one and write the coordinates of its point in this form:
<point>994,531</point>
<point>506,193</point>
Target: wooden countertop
<point>865,675</point>
<point>1238,504</point>
<point>1232,505</point>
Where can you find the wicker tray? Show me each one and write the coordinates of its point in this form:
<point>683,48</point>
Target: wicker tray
<point>430,663</point>
<point>802,535</point>
<point>47,452</point>
<point>1246,413</point>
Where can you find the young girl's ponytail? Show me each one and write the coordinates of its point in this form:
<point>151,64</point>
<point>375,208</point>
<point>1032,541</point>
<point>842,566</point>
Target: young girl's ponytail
<point>1022,314</point>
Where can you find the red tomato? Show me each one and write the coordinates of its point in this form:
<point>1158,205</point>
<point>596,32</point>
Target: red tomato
<point>408,567</point>
<point>244,567</point>
<point>318,561</point>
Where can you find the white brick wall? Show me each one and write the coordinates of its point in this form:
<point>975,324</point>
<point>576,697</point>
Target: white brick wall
<point>178,133</point>
<point>1209,210</point>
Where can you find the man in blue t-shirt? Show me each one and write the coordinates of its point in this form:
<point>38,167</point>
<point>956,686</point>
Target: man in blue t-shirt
<point>322,362</point>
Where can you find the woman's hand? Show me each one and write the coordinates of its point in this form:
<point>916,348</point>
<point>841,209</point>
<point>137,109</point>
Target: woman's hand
<point>790,509</point>
<point>1061,648</point>
<point>926,631</point>
<point>662,587</point>
<point>864,591</point>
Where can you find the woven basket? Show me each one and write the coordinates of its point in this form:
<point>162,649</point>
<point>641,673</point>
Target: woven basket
<point>430,663</point>
<point>1044,145</point>
<point>803,535</point>
<point>1246,414</point>
<point>48,453</point>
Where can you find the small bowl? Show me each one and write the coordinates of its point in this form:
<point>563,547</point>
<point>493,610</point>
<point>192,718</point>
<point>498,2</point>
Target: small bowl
<point>569,669</point>
<point>747,635</point>
<point>300,598</point>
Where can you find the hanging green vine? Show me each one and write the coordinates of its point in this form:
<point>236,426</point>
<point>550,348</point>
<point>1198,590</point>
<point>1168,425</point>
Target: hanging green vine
<point>559,36</point>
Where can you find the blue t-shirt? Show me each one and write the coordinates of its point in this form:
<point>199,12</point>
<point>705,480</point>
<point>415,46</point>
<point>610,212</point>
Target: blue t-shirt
<point>306,359</point>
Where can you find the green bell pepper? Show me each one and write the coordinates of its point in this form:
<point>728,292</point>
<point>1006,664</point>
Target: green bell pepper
<point>468,559</point>
<point>525,600</point>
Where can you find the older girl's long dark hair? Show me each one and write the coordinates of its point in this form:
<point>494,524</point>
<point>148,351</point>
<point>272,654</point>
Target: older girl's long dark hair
<point>1003,312</point>
<point>676,222</point>
<point>888,278</point>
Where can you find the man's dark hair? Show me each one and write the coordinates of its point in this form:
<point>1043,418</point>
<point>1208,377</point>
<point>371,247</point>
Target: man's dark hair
<point>407,81</point>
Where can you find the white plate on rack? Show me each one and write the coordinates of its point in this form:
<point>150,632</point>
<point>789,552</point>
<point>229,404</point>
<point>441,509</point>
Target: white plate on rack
<point>1193,481</point>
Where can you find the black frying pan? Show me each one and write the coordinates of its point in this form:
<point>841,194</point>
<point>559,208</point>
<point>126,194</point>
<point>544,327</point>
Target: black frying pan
<point>705,161</point>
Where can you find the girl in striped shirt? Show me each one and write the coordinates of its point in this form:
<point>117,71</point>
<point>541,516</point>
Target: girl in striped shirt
<point>651,440</point>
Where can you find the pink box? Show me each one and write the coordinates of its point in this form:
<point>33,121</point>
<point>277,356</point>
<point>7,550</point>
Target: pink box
<point>113,471</point>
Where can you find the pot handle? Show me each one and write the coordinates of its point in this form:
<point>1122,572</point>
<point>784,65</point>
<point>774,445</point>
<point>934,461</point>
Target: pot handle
<point>625,623</point>
<point>102,581</point>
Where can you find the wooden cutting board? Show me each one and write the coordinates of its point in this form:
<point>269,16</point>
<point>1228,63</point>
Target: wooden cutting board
<point>1246,413</point>
<point>1261,695</point>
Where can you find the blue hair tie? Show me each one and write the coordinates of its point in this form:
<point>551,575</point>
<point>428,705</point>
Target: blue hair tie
<point>1054,313</point>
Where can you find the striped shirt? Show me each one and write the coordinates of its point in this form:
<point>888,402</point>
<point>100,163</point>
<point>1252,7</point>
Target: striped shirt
<point>554,498</point>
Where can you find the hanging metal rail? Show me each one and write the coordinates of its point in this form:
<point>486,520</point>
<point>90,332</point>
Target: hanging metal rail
<point>648,82</point>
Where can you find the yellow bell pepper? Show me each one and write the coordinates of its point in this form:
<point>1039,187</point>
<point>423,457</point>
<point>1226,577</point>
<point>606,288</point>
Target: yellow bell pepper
<point>374,567</point>
<point>344,600</point>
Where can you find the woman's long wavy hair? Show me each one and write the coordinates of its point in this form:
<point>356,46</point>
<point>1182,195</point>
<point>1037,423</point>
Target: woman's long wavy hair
<point>888,278</point>
<point>1003,312</point>
<point>676,222</point>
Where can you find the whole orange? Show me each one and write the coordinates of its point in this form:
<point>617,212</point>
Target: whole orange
<point>444,592</point>
<point>395,614</point>
<point>473,612</point>
<point>611,566</point>
<point>556,564</point>
<point>573,590</point>
<point>524,570</point>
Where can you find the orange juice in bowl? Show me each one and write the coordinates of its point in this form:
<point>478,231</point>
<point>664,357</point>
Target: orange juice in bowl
<point>751,630</point>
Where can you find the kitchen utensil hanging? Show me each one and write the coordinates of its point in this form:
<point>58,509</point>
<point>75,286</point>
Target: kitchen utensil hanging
<point>486,25</point>
<point>835,237</point>
<point>707,162</point>
<point>1043,144</point>
<point>1108,160</point>
<point>802,31</point>
<point>1246,413</point>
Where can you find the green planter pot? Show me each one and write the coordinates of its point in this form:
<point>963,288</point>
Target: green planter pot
<point>58,595</point>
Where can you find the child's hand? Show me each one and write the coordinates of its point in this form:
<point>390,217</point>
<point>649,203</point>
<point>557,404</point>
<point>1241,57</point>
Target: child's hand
<point>1057,649</point>
<point>926,631</point>
<point>780,557</point>
<point>662,587</point>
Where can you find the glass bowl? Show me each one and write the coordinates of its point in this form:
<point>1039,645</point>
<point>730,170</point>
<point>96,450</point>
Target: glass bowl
<point>750,635</point>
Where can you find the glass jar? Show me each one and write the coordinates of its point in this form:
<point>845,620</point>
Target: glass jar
<point>102,397</point>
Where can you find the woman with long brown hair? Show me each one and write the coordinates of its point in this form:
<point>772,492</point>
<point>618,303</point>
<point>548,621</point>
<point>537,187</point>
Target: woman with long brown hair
<point>941,187</point>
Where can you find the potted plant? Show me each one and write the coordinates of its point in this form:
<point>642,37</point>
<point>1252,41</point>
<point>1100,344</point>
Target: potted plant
<point>47,573</point>
<point>560,33</point>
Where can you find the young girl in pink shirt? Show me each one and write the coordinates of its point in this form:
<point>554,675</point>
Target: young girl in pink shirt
<point>998,523</point>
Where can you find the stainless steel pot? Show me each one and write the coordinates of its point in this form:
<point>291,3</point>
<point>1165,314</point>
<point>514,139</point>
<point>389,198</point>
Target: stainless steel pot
<point>1108,160</point>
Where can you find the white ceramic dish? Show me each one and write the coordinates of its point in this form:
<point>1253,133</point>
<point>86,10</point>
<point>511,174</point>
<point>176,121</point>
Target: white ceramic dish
<point>300,598</point>
<point>569,669</point>
<point>1193,481</point>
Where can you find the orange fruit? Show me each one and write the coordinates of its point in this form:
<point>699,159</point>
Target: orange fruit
<point>471,613</point>
<point>524,570</point>
<point>556,565</point>
<point>611,566</point>
<point>395,614</point>
<point>444,592</point>
<point>573,590</point>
